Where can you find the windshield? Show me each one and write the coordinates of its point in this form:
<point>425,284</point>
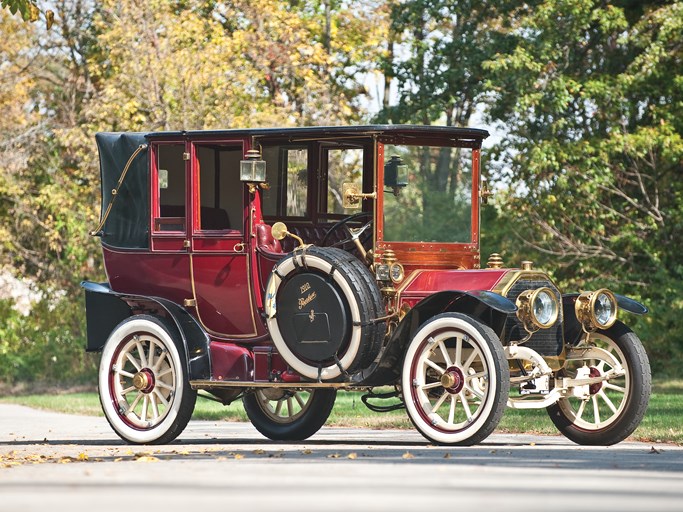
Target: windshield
<point>427,194</point>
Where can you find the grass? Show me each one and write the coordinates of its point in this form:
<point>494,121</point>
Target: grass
<point>662,423</point>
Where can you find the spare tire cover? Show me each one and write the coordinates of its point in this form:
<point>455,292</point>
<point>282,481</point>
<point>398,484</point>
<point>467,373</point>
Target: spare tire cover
<point>318,308</point>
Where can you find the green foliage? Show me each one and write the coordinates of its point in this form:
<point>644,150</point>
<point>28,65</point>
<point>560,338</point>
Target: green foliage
<point>26,8</point>
<point>125,66</point>
<point>46,346</point>
<point>591,97</point>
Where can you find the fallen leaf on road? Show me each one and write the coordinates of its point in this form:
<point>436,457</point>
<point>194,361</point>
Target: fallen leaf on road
<point>408,455</point>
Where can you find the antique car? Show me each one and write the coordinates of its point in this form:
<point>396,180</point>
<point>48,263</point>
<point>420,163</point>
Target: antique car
<point>281,266</point>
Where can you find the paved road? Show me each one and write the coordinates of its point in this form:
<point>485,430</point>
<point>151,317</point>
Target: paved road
<point>54,461</point>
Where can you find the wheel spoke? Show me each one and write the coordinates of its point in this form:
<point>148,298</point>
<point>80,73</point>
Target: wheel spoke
<point>125,374</point>
<point>458,350</point>
<point>596,410</point>
<point>133,361</point>
<point>606,399</point>
<point>161,397</point>
<point>278,407</point>
<point>444,353</point>
<point>432,364</point>
<point>579,413</point>
<point>470,359</point>
<point>431,385</point>
<point>614,387</point>
<point>440,401</point>
<point>150,359</point>
<point>162,384</point>
<point>163,356</point>
<point>141,353</point>
<point>135,403</point>
<point>155,406</point>
<point>145,405</point>
<point>465,405</point>
<point>474,391</point>
<point>451,412</point>
<point>164,373</point>
<point>299,400</point>
<point>128,390</point>
<point>290,407</point>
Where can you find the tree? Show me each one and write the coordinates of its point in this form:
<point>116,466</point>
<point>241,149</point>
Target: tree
<point>591,96</point>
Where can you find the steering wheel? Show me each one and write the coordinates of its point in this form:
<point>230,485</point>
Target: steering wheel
<point>352,234</point>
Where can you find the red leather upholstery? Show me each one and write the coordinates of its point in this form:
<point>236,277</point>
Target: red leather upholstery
<point>265,241</point>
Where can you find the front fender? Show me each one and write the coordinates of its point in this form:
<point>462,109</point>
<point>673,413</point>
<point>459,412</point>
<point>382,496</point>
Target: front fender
<point>105,309</point>
<point>488,307</point>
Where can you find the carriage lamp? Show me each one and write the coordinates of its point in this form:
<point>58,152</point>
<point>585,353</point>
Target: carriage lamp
<point>253,167</point>
<point>596,310</point>
<point>537,309</point>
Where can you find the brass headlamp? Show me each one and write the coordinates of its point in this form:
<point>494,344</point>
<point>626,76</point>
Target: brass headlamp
<point>596,310</point>
<point>537,309</point>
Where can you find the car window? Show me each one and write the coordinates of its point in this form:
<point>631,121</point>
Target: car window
<point>171,187</point>
<point>287,173</point>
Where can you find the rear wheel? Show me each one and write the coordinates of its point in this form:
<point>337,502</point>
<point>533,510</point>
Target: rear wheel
<point>288,415</point>
<point>455,380</point>
<point>143,383</point>
<point>607,412</point>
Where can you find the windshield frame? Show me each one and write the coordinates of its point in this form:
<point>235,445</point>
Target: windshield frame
<point>464,255</point>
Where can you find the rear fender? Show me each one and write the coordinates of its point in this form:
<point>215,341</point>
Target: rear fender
<point>487,307</point>
<point>105,309</point>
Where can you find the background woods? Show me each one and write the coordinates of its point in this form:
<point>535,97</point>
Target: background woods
<point>585,99</point>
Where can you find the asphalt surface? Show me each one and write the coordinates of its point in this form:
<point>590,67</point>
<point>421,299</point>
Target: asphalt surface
<point>52,461</point>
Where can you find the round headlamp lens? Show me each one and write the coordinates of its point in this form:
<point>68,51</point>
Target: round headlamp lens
<point>545,308</point>
<point>603,310</point>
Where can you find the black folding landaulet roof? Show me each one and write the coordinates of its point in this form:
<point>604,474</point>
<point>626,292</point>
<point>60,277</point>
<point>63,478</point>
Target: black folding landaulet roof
<point>127,225</point>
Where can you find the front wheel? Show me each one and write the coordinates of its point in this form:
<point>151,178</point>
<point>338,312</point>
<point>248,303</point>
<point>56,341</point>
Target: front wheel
<point>606,412</point>
<point>289,415</point>
<point>455,380</point>
<point>143,382</point>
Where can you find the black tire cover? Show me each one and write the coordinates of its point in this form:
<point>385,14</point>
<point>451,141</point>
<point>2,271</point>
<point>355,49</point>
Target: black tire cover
<point>322,305</point>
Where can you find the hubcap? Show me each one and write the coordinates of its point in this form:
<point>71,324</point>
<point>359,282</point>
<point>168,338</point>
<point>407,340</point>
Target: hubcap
<point>453,380</point>
<point>144,380</point>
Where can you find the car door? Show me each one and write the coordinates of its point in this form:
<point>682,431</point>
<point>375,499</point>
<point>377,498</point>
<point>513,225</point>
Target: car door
<point>220,263</point>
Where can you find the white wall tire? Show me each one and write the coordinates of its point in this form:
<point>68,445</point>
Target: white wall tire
<point>613,409</point>
<point>143,384</point>
<point>455,380</point>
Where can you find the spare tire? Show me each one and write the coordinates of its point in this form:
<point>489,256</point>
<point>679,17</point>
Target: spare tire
<point>321,309</point>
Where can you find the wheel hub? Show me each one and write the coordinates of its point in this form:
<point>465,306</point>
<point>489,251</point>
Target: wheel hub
<point>144,380</point>
<point>595,388</point>
<point>453,380</point>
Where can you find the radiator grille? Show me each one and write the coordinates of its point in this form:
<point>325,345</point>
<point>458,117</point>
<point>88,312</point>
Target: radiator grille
<point>547,342</point>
